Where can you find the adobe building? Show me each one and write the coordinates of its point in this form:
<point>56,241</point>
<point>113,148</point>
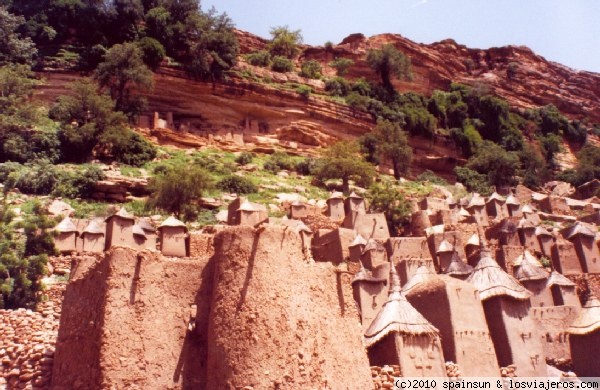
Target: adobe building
<point>400,335</point>
<point>444,252</point>
<point>233,217</point>
<point>66,239</point>
<point>139,237</point>
<point>507,311</point>
<point>433,204</point>
<point>508,233</point>
<point>173,238</point>
<point>355,203</point>
<point>457,268</point>
<point>370,293</point>
<point>545,239</point>
<point>419,223</point>
<point>584,337</point>
<point>333,245</point>
<point>251,214</point>
<point>409,253</point>
<point>495,206</point>
<point>513,206</point>
<point>356,248</point>
<point>119,230</point>
<point>583,238</point>
<point>93,237</point>
<point>563,290</point>
<point>530,273</point>
<point>454,308</point>
<point>298,210</point>
<point>555,205</point>
<point>149,232</point>
<point>373,254</point>
<point>527,235</point>
<point>367,225</point>
<point>476,208</point>
<point>335,207</point>
<point>472,250</point>
<point>564,257</point>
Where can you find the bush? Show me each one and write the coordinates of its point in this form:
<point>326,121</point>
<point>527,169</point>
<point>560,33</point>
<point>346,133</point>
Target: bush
<point>78,184</point>
<point>341,65</point>
<point>474,181</point>
<point>236,184</point>
<point>311,69</point>
<point>431,177</point>
<point>282,64</point>
<point>386,199</point>
<point>499,165</point>
<point>338,86</point>
<point>128,147</point>
<point>259,58</point>
<point>304,91</point>
<point>358,102</point>
<point>244,158</point>
<point>306,166</point>
<point>153,52</point>
<point>279,161</point>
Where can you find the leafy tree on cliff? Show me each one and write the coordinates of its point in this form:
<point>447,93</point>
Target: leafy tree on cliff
<point>494,161</point>
<point>285,42</point>
<point>389,62</point>
<point>178,189</point>
<point>343,160</point>
<point>392,144</point>
<point>384,198</point>
<point>13,47</point>
<point>124,73</point>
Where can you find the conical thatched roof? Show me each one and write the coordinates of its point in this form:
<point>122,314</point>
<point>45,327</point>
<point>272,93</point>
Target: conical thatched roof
<point>122,213</point>
<point>496,197</point>
<point>529,268</point>
<point>358,240</point>
<point>94,227</point>
<point>525,223</point>
<point>457,267</point>
<point>541,231</point>
<point>336,195</point>
<point>512,200</point>
<point>145,224</point>
<point>492,281</point>
<point>476,201</point>
<point>527,209</point>
<point>372,245</point>
<point>445,246</point>
<point>463,213</point>
<point>588,320</point>
<point>66,226</point>
<point>559,279</point>
<point>247,206</point>
<point>508,226</point>
<point>138,231</point>
<point>297,203</point>
<point>354,196</point>
<point>578,229</point>
<point>171,222</point>
<point>473,240</point>
<point>422,275</point>
<point>364,275</point>
<point>397,315</point>
<point>301,227</point>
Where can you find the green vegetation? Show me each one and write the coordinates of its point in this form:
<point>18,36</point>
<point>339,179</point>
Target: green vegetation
<point>14,47</point>
<point>344,161</point>
<point>384,198</point>
<point>392,144</point>
<point>341,65</point>
<point>387,62</point>
<point>279,161</point>
<point>588,166</point>
<point>282,64</point>
<point>237,185</point>
<point>311,69</point>
<point>259,58</point>
<point>179,189</point>
<point>244,158</point>
<point>284,42</point>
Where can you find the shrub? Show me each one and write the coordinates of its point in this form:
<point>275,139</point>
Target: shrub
<point>282,64</point>
<point>341,65</point>
<point>237,184</point>
<point>311,69</point>
<point>79,184</point>
<point>259,58</point>
<point>338,86</point>
<point>279,161</point>
<point>361,87</point>
<point>499,165</point>
<point>244,158</point>
<point>474,181</point>
<point>386,199</point>
<point>358,102</point>
<point>431,177</point>
<point>306,166</point>
<point>128,147</point>
<point>304,91</point>
<point>153,52</point>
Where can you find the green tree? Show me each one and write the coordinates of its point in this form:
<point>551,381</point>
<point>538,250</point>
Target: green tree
<point>341,65</point>
<point>343,160</point>
<point>13,47</point>
<point>384,198</point>
<point>179,189</point>
<point>387,62</point>
<point>392,144</point>
<point>153,52</point>
<point>23,257</point>
<point>311,69</point>
<point>499,165</point>
<point>285,42</point>
<point>124,74</point>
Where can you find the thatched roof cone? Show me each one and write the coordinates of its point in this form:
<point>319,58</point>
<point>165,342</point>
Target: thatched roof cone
<point>588,320</point>
<point>358,240</point>
<point>529,268</point>
<point>397,315</point>
<point>492,281</point>
<point>122,213</point>
<point>422,275</point>
<point>94,227</point>
<point>457,267</point>
<point>66,226</point>
<point>171,222</point>
<point>559,279</point>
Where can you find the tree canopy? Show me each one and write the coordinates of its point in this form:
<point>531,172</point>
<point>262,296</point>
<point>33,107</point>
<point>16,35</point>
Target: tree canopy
<point>392,144</point>
<point>14,48</point>
<point>387,62</point>
<point>285,42</point>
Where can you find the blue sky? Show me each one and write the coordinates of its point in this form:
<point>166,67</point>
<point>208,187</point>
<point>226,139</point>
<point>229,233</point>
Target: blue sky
<point>565,31</point>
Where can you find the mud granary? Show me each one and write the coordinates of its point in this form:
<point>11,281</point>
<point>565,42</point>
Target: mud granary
<point>278,302</point>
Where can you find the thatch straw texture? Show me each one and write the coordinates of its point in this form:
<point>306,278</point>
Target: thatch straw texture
<point>457,267</point>
<point>529,268</point>
<point>588,320</point>
<point>559,279</point>
<point>66,226</point>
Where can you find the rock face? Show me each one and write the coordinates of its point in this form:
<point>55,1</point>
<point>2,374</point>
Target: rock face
<point>271,326</point>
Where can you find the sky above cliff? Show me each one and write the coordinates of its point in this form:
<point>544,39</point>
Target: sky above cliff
<point>565,31</point>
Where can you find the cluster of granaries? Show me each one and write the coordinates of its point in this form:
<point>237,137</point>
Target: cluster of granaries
<point>466,287</point>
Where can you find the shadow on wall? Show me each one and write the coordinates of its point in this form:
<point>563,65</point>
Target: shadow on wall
<point>191,365</point>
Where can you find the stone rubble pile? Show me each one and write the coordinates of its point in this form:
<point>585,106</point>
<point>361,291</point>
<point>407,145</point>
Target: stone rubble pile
<point>384,377</point>
<point>27,342</point>
<point>453,370</point>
